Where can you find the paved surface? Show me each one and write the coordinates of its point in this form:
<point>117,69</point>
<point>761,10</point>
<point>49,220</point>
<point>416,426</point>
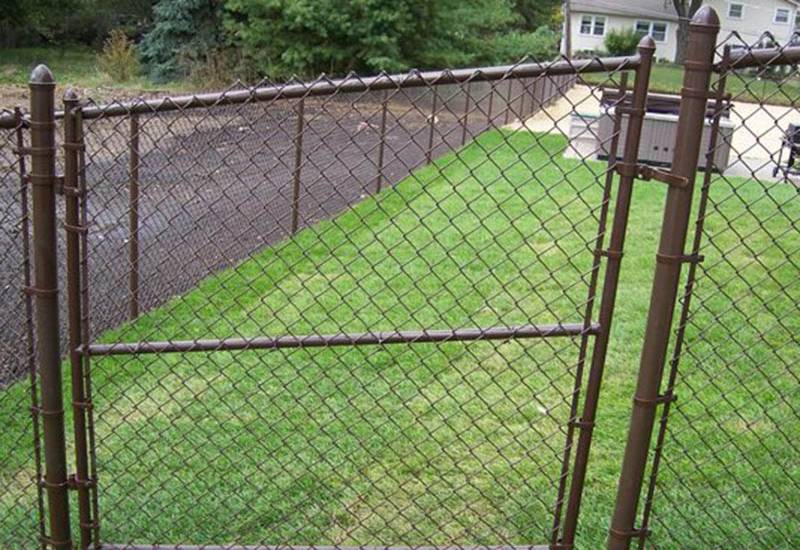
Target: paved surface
<point>757,135</point>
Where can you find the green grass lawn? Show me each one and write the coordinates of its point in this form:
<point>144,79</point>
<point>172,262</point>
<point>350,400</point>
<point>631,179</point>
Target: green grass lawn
<point>423,444</point>
<point>742,85</point>
<point>71,65</point>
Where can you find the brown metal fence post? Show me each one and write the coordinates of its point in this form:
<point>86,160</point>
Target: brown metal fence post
<point>522,95</point>
<point>694,95</point>
<point>382,141</point>
<point>133,216</point>
<point>432,126</point>
<point>43,179</point>
<point>508,100</point>
<point>298,165</point>
<point>465,117</point>
<point>73,143</point>
<point>489,120</point>
<point>608,297</point>
<point>719,108</point>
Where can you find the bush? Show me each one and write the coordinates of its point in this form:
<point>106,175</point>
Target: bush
<point>281,38</point>
<point>217,69</point>
<point>185,34</point>
<point>118,58</point>
<point>622,42</point>
<point>540,45</point>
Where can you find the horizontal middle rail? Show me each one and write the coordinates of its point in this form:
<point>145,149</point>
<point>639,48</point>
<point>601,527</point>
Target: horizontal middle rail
<point>342,339</point>
<point>108,546</point>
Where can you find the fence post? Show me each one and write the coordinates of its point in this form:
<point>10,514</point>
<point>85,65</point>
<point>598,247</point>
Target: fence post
<point>298,164</point>
<point>508,100</point>
<point>696,81</point>
<point>432,125</point>
<point>609,293</point>
<point>133,216</point>
<point>73,144</point>
<point>489,119</point>
<point>382,141</point>
<point>465,118</point>
<point>43,179</point>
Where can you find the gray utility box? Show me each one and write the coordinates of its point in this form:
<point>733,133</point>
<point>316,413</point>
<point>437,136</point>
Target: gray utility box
<point>659,131</point>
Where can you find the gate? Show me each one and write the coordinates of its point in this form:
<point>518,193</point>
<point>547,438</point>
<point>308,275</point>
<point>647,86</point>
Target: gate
<point>376,313</point>
<point>721,470</point>
<point>402,366</point>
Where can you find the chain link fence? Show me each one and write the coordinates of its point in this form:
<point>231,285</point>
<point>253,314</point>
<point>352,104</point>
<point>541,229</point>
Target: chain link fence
<point>727,470</point>
<point>427,215</point>
<point>22,508</point>
<point>375,312</point>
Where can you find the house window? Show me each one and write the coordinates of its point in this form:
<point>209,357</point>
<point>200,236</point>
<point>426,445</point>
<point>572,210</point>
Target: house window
<point>593,24</point>
<point>735,11</point>
<point>656,29</point>
<point>782,16</point>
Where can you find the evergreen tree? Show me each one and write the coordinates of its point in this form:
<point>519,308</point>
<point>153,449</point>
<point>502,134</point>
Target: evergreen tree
<point>184,32</point>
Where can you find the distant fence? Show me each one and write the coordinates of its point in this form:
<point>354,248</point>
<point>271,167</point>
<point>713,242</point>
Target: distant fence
<point>420,123</point>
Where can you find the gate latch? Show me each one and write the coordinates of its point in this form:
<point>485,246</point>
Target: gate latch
<point>647,173</point>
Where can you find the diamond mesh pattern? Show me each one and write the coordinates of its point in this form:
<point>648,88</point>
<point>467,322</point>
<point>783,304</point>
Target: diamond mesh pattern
<point>729,472</point>
<point>19,440</point>
<point>440,206</point>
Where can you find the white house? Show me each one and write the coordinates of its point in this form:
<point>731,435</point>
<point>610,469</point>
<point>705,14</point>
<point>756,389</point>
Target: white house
<point>591,20</point>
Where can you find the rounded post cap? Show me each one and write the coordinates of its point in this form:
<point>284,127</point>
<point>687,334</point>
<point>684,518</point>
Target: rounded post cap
<point>42,75</point>
<point>71,95</point>
<point>706,17</point>
<point>647,43</point>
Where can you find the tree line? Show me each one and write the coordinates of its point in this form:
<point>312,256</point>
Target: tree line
<point>281,38</point>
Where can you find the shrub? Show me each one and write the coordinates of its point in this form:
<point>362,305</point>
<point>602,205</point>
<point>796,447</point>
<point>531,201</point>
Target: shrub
<point>218,68</point>
<point>622,42</point>
<point>540,45</point>
<point>281,37</point>
<point>118,58</point>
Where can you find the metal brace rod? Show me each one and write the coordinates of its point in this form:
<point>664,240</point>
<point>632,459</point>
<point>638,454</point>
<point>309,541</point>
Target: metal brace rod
<point>344,339</point>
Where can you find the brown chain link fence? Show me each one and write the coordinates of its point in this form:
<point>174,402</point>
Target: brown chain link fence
<point>375,312</point>
<point>22,506</point>
<point>727,472</point>
<point>325,225</point>
<point>325,222</point>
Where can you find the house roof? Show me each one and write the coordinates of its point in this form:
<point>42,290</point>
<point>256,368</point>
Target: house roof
<point>656,9</point>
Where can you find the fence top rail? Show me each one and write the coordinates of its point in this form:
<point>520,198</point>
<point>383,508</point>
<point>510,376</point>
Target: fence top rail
<point>324,86</point>
<point>759,57</point>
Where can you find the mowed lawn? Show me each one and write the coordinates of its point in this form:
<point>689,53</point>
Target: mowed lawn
<point>743,85</point>
<point>455,443</point>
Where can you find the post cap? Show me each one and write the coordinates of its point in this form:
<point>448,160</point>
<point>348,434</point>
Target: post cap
<point>706,17</point>
<point>647,43</point>
<point>71,95</point>
<point>42,75</point>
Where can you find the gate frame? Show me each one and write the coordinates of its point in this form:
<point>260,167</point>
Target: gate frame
<point>628,170</point>
<point>84,480</point>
